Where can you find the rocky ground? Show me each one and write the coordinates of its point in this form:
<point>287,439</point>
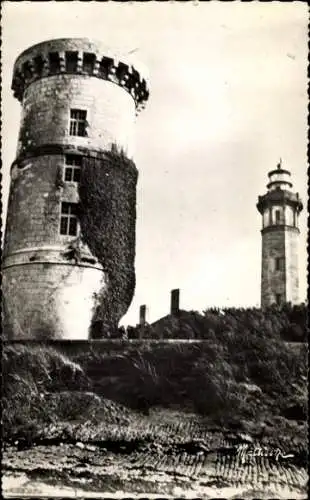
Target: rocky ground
<point>164,453</point>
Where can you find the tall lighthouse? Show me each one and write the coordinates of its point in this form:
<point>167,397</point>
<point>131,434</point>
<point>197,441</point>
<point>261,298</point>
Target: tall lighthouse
<point>79,99</point>
<point>280,208</point>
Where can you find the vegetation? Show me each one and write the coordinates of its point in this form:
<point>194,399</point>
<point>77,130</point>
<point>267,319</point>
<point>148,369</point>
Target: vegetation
<point>288,322</point>
<point>107,192</point>
<point>244,375</point>
<point>29,372</point>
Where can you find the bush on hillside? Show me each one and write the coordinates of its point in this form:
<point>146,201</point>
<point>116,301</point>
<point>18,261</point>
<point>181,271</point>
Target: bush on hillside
<point>50,369</point>
<point>245,366</point>
<point>287,322</point>
<point>244,371</point>
<point>29,372</point>
<point>248,376</point>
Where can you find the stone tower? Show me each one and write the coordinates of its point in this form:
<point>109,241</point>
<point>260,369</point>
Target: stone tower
<point>279,208</point>
<point>78,98</point>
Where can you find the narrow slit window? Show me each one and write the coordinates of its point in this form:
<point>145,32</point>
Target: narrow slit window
<point>68,219</point>
<point>278,216</point>
<point>78,122</point>
<point>279,263</point>
<point>73,168</point>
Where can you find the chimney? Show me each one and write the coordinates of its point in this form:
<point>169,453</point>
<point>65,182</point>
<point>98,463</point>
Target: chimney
<point>175,299</point>
<point>143,315</point>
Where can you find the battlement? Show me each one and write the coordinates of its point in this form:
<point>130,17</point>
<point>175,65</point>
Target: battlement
<point>80,56</point>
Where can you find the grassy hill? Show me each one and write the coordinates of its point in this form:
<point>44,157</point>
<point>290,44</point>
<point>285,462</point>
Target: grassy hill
<point>243,376</point>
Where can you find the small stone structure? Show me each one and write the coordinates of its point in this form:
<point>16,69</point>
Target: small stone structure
<point>175,301</point>
<point>279,208</point>
<point>143,314</point>
<point>78,99</point>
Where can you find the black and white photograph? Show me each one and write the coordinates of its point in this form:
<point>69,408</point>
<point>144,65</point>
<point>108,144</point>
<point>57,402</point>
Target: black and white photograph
<point>154,249</point>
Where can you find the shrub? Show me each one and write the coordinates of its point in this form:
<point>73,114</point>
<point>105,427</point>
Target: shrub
<point>28,373</point>
<point>244,369</point>
<point>288,322</point>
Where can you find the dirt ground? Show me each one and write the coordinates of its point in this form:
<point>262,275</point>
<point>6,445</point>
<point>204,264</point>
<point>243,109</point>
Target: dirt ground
<point>165,453</point>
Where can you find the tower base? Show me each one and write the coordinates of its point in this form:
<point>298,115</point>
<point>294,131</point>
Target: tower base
<point>45,301</point>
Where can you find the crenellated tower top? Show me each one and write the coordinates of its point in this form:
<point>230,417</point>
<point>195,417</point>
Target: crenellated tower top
<point>80,56</point>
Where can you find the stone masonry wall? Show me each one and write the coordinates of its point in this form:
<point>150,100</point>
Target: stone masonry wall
<point>273,281</point>
<point>49,301</point>
<point>34,204</point>
<point>282,243</point>
<point>46,113</point>
<point>292,279</point>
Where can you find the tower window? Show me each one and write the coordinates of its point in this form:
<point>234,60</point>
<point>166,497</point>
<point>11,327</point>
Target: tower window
<point>68,219</point>
<point>73,168</point>
<point>78,122</point>
<point>278,216</point>
<point>279,263</point>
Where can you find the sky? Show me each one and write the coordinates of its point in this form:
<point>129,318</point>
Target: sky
<point>228,98</point>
